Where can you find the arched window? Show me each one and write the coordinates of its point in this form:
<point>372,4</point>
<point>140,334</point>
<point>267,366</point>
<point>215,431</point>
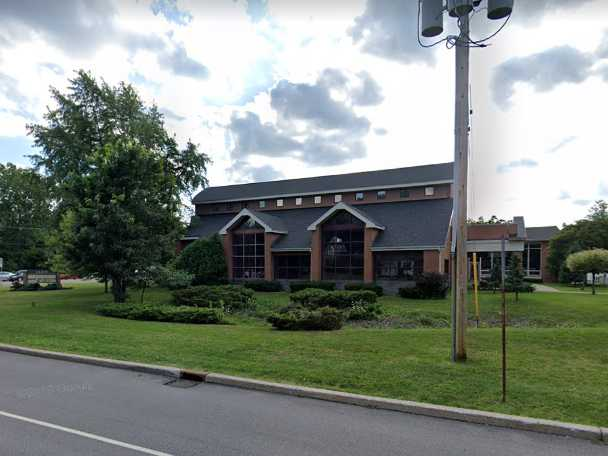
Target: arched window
<point>342,237</point>
<point>248,250</point>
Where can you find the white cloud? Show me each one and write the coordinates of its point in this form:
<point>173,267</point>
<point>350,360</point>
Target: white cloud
<point>405,119</point>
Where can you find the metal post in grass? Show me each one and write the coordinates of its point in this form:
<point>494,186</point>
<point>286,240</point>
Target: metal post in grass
<point>504,318</point>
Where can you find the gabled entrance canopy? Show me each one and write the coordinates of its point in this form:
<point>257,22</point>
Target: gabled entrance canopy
<point>369,223</point>
<point>270,223</point>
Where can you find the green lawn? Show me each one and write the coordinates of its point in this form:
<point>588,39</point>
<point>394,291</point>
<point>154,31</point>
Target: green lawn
<point>558,349</point>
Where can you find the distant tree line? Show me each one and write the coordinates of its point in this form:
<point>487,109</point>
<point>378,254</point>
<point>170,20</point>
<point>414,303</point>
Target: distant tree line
<point>586,234</point>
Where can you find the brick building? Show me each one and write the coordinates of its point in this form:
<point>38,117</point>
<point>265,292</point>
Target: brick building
<point>378,226</point>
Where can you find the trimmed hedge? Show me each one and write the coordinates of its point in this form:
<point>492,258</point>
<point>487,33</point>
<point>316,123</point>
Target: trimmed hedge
<point>167,313</point>
<point>228,297</point>
<point>205,260</point>
<point>365,286</point>
<point>525,288</point>
<point>301,319</point>
<point>429,285</point>
<point>318,285</point>
<point>263,285</point>
<point>18,286</point>
<point>314,299</point>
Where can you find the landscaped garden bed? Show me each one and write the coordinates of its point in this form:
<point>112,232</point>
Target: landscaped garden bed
<point>557,369</point>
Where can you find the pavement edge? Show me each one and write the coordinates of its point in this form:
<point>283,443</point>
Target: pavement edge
<point>103,362</point>
<point>593,433</point>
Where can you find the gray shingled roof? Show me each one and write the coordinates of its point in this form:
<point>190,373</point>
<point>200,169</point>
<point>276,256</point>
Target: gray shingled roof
<point>275,223</point>
<point>340,182</point>
<point>541,233</point>
<point>408,224</point>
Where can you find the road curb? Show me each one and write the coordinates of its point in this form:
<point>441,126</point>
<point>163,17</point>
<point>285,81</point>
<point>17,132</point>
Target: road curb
<point>103,362</point>
<point>418,408</point>
<point>593,433</point>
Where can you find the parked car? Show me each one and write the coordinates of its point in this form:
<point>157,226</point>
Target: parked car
<point>5,276</point>
<point>18,276</point>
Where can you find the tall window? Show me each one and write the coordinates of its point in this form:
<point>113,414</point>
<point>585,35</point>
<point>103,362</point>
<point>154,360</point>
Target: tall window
<point>398,265</point>
<point>248,251</point>
<point>343,247</point>
<point>381,194</point>
<point>359,196</point>
<point>486,260</point>
<point>292,266</point>
<point>531,260</point>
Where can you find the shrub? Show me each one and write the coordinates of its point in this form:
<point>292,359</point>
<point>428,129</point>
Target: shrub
<point>18,286</point>
<point>298,286</point>
<point>359,312</point>
<point>294,319</point>
<point>181,314</point>
<point>174,279</point>
<point>525,287</point>
<point>432,285</point>
<point>314,299</point>
<point>228,297</point>
<point>205,260</point>
<point>410,293</point>
<point>365,286</point>
<point>263,285</point>
<point>429,285</point>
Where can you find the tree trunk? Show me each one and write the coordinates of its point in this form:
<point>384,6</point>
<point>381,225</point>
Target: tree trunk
<point>119,288</point>
<point>105,283</point>
<point>593,283</point>
<point>143,289</point>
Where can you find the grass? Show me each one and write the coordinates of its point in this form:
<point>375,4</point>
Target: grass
<point>558,366</point>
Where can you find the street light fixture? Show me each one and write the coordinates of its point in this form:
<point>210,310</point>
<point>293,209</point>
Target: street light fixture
<point>430,23</point>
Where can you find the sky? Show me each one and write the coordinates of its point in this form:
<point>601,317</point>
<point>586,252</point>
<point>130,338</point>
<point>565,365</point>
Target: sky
<point>273,89</point>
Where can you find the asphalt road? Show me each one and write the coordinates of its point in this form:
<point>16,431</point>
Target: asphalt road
<point>58,408</point>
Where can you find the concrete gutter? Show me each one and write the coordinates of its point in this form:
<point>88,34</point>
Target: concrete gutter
<point>104,362</point>
<point>593,433</point>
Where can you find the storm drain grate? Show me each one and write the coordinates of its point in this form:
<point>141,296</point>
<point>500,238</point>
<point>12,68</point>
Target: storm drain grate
<point>182,383</point>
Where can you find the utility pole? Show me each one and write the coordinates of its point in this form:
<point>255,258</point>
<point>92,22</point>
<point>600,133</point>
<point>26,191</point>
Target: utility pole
<point>461,166</point>
<point>430,23</point>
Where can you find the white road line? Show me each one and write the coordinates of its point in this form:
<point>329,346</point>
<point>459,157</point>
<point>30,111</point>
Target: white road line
<point>85,434</point>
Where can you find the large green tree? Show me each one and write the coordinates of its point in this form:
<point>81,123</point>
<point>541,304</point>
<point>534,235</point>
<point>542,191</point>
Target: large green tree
<point>118,177</point>
<point>25,217</point>
<point>92,114</point>
<point>586,234</point>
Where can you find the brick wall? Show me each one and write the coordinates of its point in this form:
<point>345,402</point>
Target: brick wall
<point>328,200</point>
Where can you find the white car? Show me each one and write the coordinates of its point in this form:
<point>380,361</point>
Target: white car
<point>5,276</point>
